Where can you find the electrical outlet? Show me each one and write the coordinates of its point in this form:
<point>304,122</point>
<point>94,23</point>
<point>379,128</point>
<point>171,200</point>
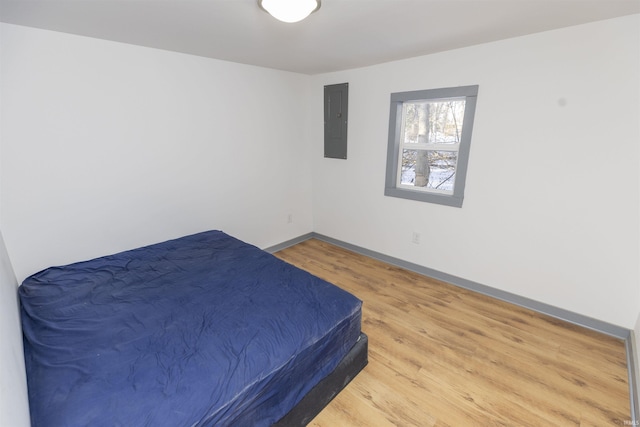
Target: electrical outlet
<point>289,218</point>
<point>415,238</point>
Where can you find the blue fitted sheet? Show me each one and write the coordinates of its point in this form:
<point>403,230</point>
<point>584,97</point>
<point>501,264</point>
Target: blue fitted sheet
<point>203,330</point>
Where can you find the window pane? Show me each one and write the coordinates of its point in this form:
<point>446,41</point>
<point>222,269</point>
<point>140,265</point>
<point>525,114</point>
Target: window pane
<point>427,169</point>
<point>436,122</point>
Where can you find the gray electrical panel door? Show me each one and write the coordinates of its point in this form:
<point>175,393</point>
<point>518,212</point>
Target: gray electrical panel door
<point>336,99</point>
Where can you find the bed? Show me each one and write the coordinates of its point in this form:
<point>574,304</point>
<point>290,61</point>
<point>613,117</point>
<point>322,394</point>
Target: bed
<point>204,330</point>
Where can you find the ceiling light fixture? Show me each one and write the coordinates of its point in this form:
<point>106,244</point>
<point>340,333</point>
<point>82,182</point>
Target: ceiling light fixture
<point>289,10</point>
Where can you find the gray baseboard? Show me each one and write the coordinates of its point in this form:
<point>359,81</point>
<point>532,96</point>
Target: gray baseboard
<point>288,243</point>
<point>558,313</point>
<point>632,352</point>
<point>540,307</point>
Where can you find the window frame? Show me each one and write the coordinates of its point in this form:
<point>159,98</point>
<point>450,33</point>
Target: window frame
<point>393,188</point>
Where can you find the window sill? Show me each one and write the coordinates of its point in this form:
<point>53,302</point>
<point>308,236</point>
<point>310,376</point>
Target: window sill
<point>421,196</point>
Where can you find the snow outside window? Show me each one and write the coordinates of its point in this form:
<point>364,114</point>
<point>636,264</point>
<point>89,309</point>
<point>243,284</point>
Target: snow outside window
<point>429,138</point>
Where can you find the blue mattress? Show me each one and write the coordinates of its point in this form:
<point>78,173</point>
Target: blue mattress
<point>199,331</point>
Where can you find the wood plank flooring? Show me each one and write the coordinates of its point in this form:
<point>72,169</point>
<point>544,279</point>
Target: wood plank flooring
<point>443,356</point>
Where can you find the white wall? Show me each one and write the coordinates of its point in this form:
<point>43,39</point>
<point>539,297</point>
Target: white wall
<point>636,331</point>
<point>108,146</point>
<point>551,209</point>
<point>14,405</point>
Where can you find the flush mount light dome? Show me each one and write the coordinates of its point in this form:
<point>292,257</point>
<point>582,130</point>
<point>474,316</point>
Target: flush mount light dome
<point>290,10</point>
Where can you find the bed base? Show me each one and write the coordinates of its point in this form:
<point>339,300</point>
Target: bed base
<point>324,392</point>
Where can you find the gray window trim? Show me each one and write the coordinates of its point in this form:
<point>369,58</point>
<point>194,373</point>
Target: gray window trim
<point>395,123</point>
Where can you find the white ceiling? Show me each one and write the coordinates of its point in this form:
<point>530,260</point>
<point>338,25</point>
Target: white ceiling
<point>343,34</point>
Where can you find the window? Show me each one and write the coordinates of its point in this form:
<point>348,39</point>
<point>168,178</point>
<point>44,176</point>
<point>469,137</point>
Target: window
<point>429,139</point>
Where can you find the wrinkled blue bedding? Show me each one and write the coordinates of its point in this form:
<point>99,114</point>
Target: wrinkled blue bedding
<point>203,330</point>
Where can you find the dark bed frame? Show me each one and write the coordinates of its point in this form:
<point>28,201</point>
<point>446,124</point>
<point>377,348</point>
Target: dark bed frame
<point>324,392</point>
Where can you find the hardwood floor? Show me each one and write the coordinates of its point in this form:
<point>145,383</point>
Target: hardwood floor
<point>444,356</point>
